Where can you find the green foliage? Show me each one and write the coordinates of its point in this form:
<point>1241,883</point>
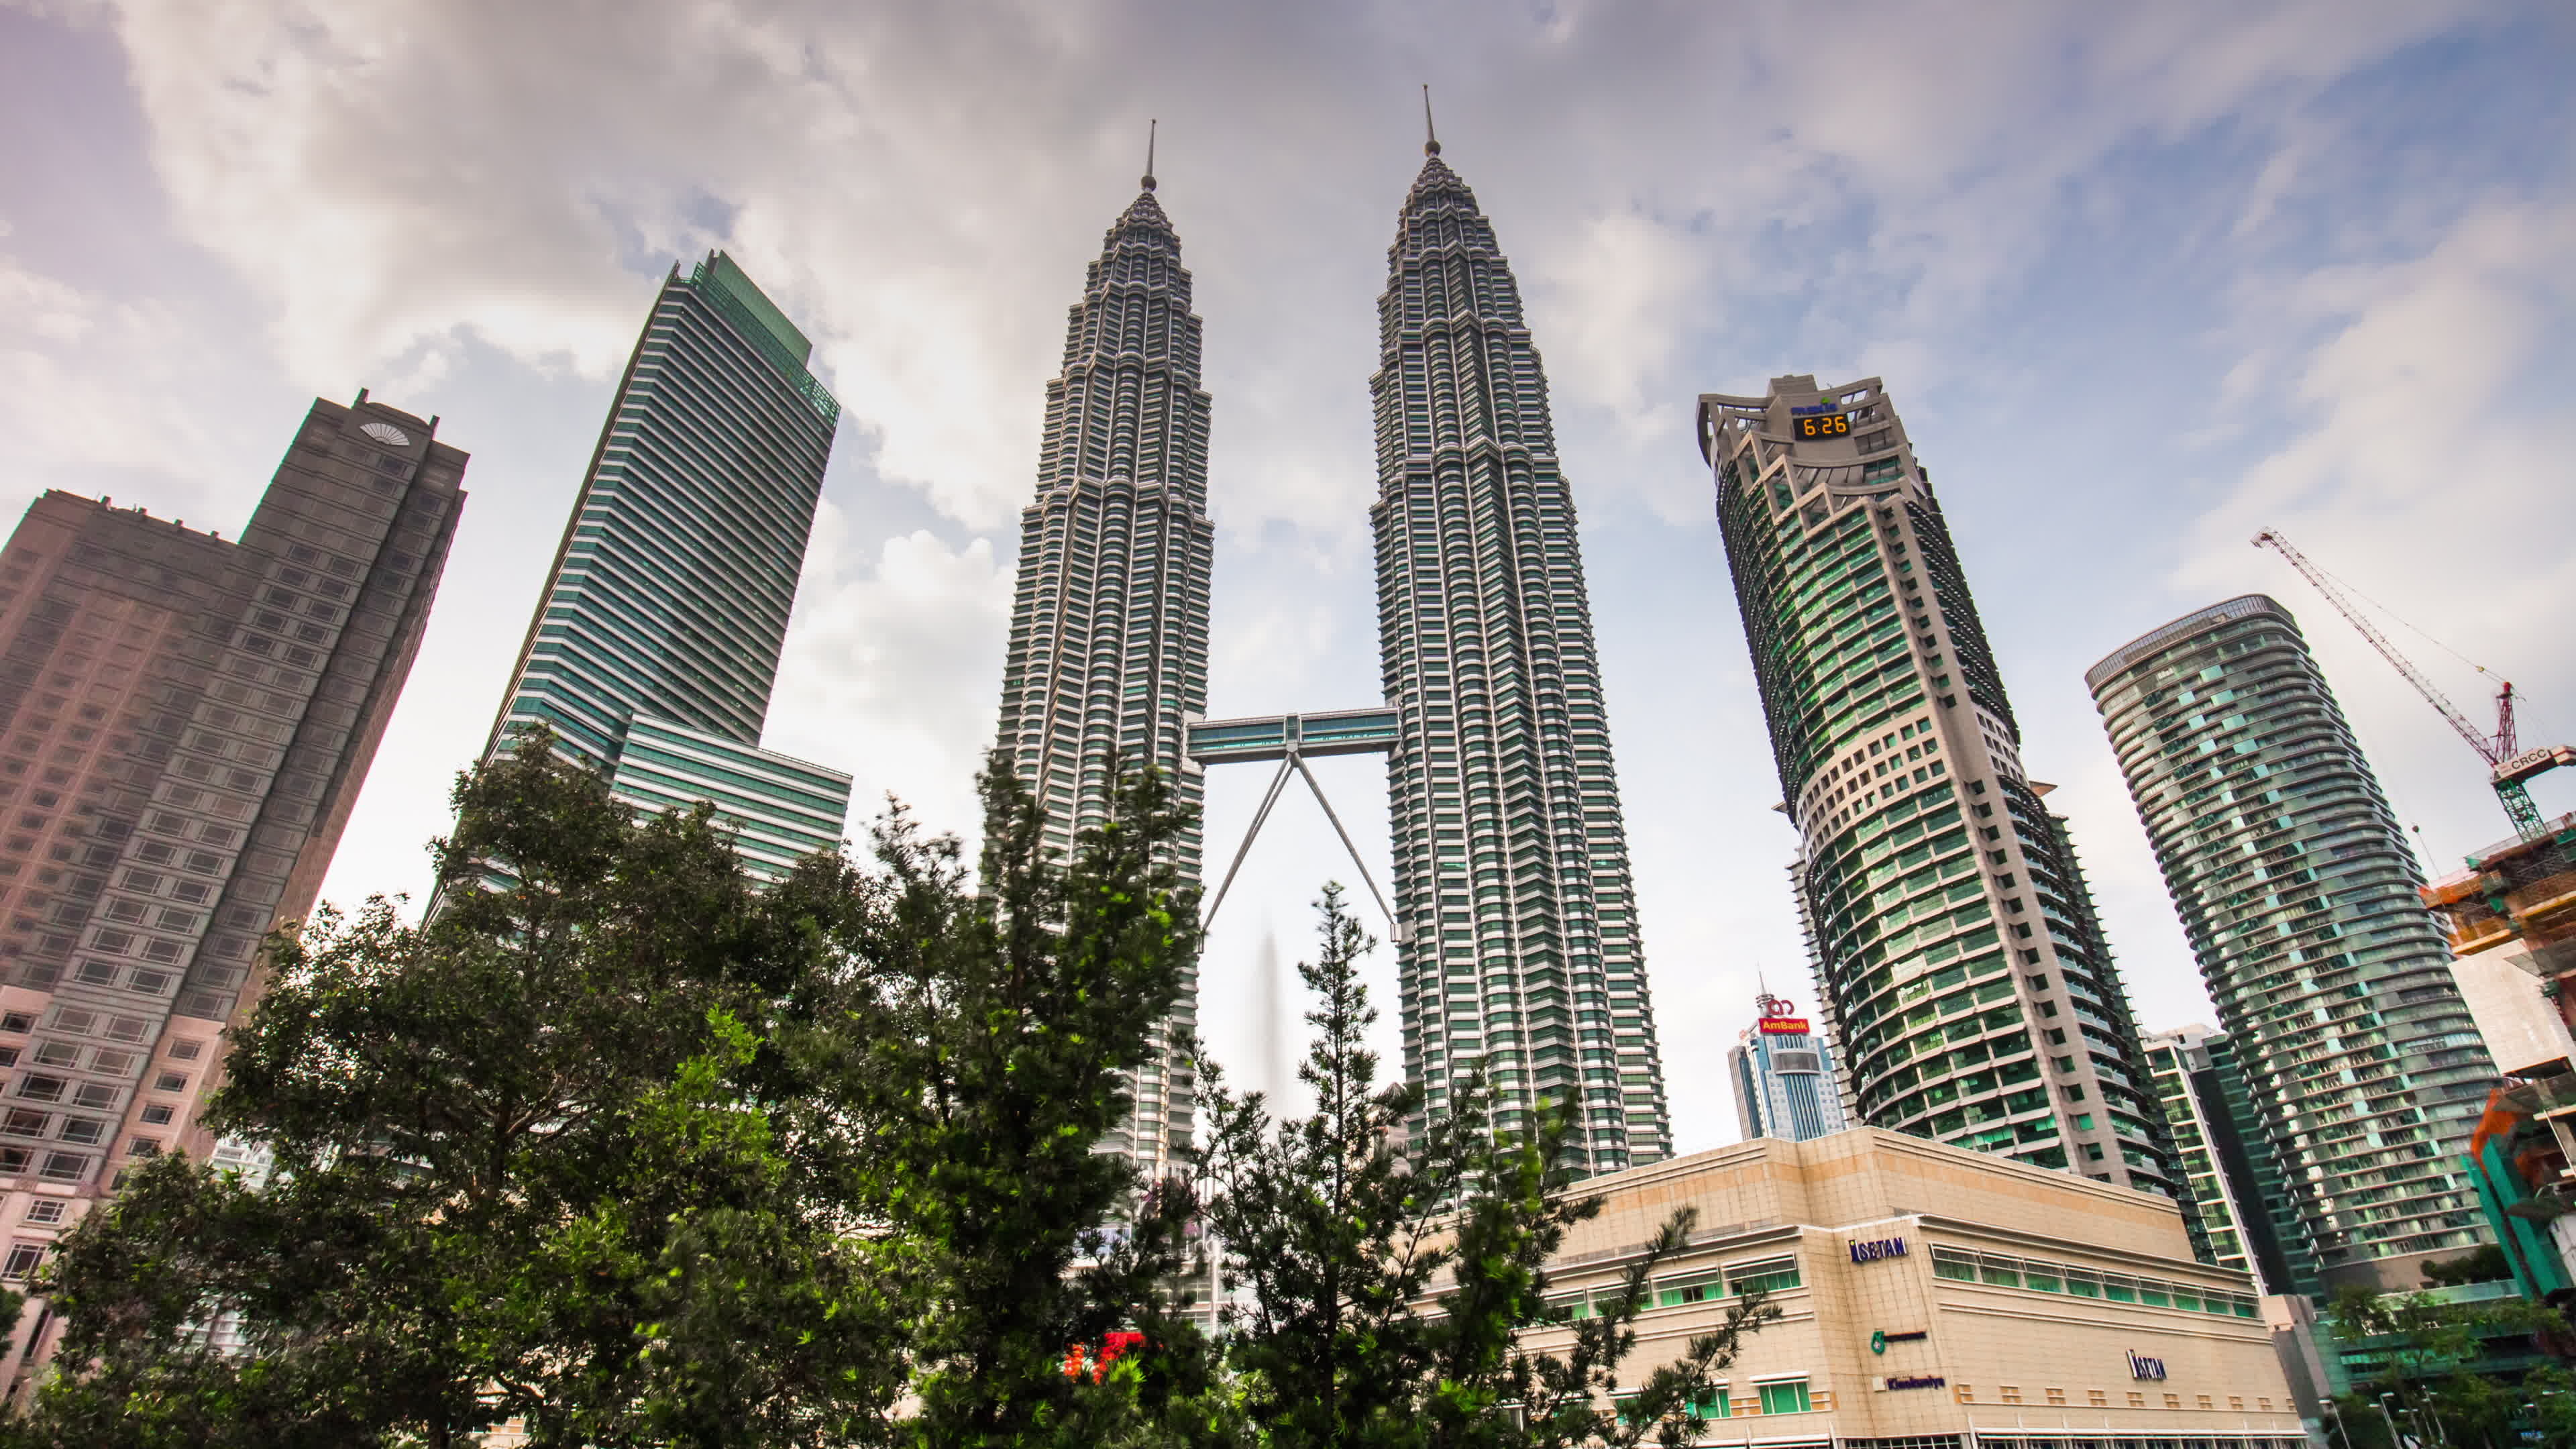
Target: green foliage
<point>620,1149</point>
<point>1343,1241</point>
<point>963,1064</point>
<point>2483,1264</point>
<point>2428,1386</point>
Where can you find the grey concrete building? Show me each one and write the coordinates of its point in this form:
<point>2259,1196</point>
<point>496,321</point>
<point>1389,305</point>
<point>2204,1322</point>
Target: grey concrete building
<point>1969,990</point>
<point>185,722</point>
<point>1518,941</point>
<point>2302,905</point>
<point>1109,618</point>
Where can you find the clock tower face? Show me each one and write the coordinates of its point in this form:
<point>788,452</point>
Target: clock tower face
<point>387,434</point>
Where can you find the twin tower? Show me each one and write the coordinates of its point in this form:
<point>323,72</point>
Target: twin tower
<point>1515,914</point>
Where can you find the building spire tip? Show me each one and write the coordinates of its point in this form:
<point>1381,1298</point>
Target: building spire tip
<point>1430,137</point>
<point>1148,180</point>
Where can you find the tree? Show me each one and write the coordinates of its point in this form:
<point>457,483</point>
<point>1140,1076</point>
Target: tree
<point>517,1172</point>
<point>1396,1287</point>
<point>963,1067</point>
<point>2427,1383</point>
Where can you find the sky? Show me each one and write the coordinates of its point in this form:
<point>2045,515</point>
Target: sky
<point>2141,280</point>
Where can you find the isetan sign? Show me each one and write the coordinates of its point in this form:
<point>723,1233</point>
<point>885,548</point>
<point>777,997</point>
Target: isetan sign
<point>1877,1250</point>
<point>2142,1367</point>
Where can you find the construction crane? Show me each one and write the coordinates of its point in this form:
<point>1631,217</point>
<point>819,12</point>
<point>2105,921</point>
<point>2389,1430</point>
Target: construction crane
<point>2508,769</point>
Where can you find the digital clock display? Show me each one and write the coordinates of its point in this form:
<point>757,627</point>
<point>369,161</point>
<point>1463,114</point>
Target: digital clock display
<point>1824,425</point>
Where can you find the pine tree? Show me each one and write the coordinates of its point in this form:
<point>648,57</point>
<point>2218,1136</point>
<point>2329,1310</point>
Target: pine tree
<point>1392,1289</point>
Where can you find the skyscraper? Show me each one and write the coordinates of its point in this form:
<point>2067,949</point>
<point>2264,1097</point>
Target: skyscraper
<point>656,640</point>
<point>1518,944</point>
<point>1969,991</point>
<point>2221,1151</point>
<point>1109,617</point>
<point>2300,899</point>
<point>1783,1071</point>
<point>187,722</point>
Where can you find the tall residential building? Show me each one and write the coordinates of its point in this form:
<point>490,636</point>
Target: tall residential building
<point>1518,943</point>
<point>184,726</point>
<point>1109,619</point>
<point>1966,981</point>
<point>2299,897</point>
<point>656,641</point>
<point>2219,1145</point>
<point>1783,1071</point>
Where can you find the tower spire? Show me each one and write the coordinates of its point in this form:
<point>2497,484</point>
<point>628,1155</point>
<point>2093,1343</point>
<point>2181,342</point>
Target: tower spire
<point>1430,137</point>
<point>1148,181</point>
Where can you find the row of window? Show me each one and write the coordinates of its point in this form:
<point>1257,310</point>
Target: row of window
<point>1960,1265</point>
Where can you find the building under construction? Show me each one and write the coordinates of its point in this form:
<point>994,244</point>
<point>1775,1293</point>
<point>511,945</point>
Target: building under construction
<point>2511,919</point>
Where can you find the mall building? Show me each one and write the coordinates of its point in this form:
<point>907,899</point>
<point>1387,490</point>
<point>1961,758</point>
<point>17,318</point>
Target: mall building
<point>1935,1297</point>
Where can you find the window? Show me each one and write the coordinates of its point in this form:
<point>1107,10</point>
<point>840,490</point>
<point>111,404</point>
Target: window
<point>1786,1397</point>
<point>66,1166</point>
<point>1952,1264</point>
<point>170,1082</point>
<point>143,1147</point>
<point>2118,1289</point>
<point>41,1089</point>
<point>45,1211</point>
<point>17,1021</point>
<point>2042,1276</point>
<point>2011,1393</point>
<point>83,1130</point>
<point>1688,1288</point>
<point>23,1258</point>
<point>158,1114</point>
<point>1771,1275</point>
<point>185,1051</point>
<point>1714,1404</point>
<point>2002,1272</point>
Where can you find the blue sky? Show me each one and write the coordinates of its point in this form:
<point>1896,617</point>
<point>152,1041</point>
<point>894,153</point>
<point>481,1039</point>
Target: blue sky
<point>2142,280</point>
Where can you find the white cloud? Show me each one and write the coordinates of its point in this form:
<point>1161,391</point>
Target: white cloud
<point>890,668</point>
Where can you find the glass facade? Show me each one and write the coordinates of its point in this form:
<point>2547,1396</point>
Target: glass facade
<point>1109,616</point>
<point>2225,1158</point>
<point>661,623</point>
<point>1519,950</point>
<point>1784,1082</point>
<point>1967,986</point>
<point>2300,899</point>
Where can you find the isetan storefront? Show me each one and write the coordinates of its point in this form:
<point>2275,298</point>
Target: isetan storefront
<point>1937,1298</point>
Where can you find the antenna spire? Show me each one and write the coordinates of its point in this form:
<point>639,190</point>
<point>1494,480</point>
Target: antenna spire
<point>1430,137</point>
<point>1148,181</point>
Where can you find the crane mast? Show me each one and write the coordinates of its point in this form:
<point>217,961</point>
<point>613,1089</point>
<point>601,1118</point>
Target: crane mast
<point>2507,768</point>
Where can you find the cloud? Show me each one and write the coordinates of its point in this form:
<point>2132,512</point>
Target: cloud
<point>890,668</point>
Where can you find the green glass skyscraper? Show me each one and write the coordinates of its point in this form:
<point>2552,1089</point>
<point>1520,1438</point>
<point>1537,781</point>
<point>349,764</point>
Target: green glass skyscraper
<point>1519,947</point>
<point>2299,897</point>
<point>2221,1149</point>
<point>1971,995</point>
<point>657,638</point>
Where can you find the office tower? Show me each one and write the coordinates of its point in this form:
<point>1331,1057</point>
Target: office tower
<point>2299,897</point>
<point>187,722</point>
<point>1109,618</point>
<point>656,640</point>
<point>1518,944</point>
<point>2221,1151</point>
<point>1966,983</point>
<point>1783,1070</point>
